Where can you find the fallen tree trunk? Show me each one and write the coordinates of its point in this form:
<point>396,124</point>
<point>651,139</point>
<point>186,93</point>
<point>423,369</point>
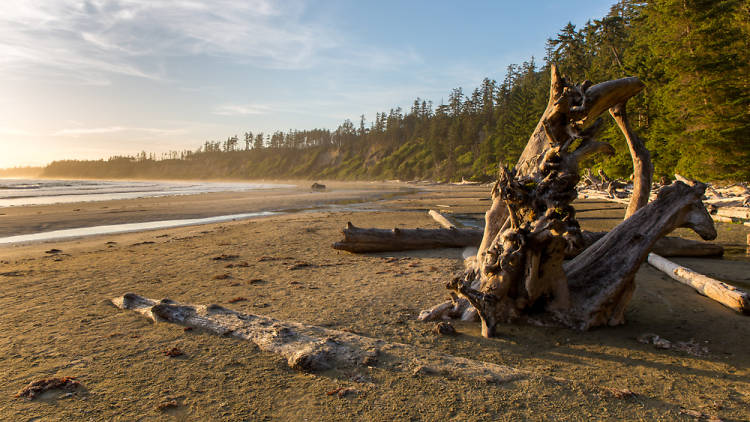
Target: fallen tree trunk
<point>364,240</point>
<point>311,348</point>
<point>723,293</point>
<point>360,240</point>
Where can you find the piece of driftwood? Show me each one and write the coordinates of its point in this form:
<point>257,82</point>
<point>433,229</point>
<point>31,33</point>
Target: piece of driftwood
<point>519,272</point>
<point>362,240</point>
<point>723,293</point>
<point>742,213</point>
<point>313,349</point>
<point>441,219</point>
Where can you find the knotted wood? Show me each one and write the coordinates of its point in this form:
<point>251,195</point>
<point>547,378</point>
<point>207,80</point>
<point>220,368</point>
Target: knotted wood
<point>519,272</point>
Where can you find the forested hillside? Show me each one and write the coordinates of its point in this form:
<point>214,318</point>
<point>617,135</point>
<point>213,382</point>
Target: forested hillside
<point>693,55</point>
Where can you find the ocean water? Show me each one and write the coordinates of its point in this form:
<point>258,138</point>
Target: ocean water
<point>17,192</point>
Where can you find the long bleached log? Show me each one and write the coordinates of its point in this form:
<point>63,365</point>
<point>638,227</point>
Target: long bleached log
<point>723,293</point>
<point>312,348</point>
<point>361,240</point>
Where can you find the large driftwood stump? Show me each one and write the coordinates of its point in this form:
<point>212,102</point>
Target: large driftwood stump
<point>519,273</point>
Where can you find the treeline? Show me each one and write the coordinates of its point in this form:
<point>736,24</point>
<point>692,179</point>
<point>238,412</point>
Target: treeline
<point>693,56</point>
<point>24,172</point>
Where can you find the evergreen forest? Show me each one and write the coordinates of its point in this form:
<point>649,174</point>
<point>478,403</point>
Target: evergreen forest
<point>693,56</point>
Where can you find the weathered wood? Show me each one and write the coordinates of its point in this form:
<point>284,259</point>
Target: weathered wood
<point>442,219</point>
<point>741,213</point>
<point>360,240</point>
<point>721,292</point>
<point>669,246</point>
<point>602,278</point>
<point>643,169</point>
<point>312,348</point>
<point>519,272</point>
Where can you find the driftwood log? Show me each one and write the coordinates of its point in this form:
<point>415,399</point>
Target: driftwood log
<point>365,240</point>
<point>723,293</point>
<point>311,348</point>
<point>361,240</point>
<point>519,273</point>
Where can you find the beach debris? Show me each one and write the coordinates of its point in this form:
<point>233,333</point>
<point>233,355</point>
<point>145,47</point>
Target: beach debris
<point>167,403</point>
<point>519,273</point>
<point>444,328</point>
<point>237,299</point>
<point>146,242</point>
<point>225,257</point>
<point>699,415</point>
<point>265,258</point>
<point>312,348</point>
<point>365,240</point>
<point>256,281</point>
<point>342,392</point>
<point>618,393</point>
<point>173,352</point>
<point>727,295</point>
<point>690,347</point>
<point>299,265</point>
<point>318,187</point>
<point>35,388</point>
<point>223,276</point>
<point>53,251</point>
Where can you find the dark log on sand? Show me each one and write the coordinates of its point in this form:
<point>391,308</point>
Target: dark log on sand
<point>723,293</point>
<point>311,348</point>
<point>364,240</point>
<point>361,240</point>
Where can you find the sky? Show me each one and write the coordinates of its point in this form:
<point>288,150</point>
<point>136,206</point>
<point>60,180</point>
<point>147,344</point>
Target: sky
<point>91,79</point>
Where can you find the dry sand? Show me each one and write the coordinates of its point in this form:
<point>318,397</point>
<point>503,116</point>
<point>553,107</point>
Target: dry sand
<point>57,321</point>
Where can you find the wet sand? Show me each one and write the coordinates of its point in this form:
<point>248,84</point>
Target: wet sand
<point>57,321</point>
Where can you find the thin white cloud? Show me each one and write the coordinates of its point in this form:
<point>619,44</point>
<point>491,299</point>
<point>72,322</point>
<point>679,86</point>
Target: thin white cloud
<point>92,39</point>
<point>131,37</point>
<point>75,132</point>
<point>241,109</point>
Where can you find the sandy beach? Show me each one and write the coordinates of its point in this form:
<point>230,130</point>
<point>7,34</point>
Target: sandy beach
<point>58,319</point>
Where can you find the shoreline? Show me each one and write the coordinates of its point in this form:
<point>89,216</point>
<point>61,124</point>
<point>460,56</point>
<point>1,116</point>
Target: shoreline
<point>31,219</point>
